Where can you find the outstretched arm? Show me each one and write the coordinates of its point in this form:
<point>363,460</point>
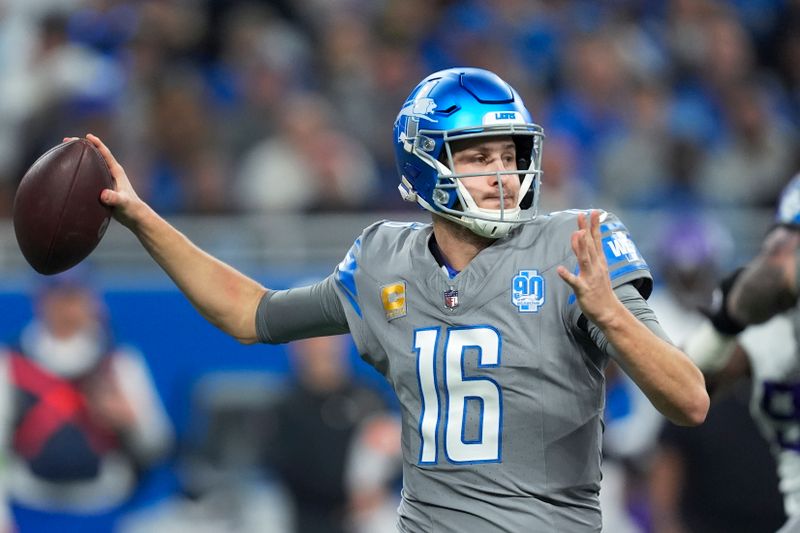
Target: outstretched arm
<point>670,380</point>
<point>225,297</point>
<point>768,285</point>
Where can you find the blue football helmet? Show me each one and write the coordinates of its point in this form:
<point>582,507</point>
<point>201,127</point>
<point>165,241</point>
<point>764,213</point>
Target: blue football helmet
<point>456,104</point>
<point>789,204</point>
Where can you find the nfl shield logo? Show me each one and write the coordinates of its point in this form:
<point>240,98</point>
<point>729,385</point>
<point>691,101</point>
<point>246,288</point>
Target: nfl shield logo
<point>451,299</point>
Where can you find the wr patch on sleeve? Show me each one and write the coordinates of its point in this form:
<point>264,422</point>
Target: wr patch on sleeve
<point>621,252</point>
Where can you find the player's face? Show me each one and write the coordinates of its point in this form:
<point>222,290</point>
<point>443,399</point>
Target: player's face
<point>490,156</point>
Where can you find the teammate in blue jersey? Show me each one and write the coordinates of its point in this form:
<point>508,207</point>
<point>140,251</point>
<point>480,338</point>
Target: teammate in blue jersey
<point>753,330</point>
<point>492,324</point>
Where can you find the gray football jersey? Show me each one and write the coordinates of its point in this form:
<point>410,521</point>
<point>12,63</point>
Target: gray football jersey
<point>501,389</point>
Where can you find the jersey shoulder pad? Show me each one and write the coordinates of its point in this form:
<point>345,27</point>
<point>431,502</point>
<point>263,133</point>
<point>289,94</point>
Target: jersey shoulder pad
<point>558,226</point>
<point>378,244</point>
<point>625,262</point>
<point>385,231</point>
<point>384,240</point>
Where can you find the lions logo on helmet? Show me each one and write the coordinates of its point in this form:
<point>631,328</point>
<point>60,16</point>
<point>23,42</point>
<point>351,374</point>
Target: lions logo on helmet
<point>456,104</point>
<point>789,206</point>
<point>420,108</point>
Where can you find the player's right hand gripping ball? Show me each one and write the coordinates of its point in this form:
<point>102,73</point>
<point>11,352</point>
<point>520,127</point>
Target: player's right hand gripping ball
<point>58,217</point>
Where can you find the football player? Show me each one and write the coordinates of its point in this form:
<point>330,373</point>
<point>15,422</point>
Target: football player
<point>753,330</point>
<point>492,324</point>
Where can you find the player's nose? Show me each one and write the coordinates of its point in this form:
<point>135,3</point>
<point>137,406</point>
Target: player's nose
<point>497,164</point>
<point>498,178</point>
<point>495,167</point>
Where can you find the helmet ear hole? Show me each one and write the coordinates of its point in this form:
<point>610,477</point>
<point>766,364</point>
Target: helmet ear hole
<point>524,148</point>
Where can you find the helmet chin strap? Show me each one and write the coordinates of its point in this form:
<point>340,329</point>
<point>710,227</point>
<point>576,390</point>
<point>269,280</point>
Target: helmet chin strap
<point>491,226</point>
<point>485,228</point>
<point>492,229</point>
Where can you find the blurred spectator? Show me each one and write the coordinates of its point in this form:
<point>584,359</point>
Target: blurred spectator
<point>749,166</point>
<point>711,53</point>
<point>634,164</point>
<point>563,188</point>
<point>316,424</point>
<point>589,108</point>
<point>393,63</point>
<point>261,58</point>
<point>691,253</point>
<point>727,55</point>
<point>186,170</point>
<point>350,78</point>
<point>373,472</point>
<point>80,416</point>
<point>51,85</point>
<point>309,164</point>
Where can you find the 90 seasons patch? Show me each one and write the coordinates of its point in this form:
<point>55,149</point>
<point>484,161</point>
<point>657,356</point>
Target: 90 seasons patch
<point>393,298</point>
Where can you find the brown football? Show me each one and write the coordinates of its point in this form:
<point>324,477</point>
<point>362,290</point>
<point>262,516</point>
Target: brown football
<point>58,216</point>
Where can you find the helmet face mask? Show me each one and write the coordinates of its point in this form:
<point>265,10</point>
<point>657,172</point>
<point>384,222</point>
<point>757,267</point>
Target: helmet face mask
<point>466,104</point>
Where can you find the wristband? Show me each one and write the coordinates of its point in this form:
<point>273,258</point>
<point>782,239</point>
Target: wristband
<point>718,313</point>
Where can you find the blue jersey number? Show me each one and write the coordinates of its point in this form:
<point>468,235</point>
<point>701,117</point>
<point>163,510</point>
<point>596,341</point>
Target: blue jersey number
<point>450,403</point>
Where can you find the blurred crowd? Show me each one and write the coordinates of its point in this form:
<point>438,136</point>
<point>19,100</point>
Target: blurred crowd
<point>222,106</point>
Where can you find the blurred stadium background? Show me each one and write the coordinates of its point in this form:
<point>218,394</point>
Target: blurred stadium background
<point>262,129</point>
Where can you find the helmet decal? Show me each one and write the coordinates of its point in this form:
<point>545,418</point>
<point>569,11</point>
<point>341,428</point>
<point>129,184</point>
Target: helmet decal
<point>419,109</point>
<point>414,110</point>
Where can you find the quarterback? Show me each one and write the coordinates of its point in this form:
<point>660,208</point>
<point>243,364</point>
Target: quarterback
<point>492,324</point>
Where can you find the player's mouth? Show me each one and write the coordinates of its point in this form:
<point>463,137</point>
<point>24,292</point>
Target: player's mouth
<point>493,202</point>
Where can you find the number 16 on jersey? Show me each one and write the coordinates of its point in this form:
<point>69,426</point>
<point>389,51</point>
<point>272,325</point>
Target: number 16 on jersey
<point>449,404</point>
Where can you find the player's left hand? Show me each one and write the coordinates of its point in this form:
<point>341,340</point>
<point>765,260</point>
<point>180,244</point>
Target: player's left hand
<point>592,285</point>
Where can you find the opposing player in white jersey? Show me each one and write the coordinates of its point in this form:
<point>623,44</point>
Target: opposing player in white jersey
<point>493,325</point>
<point>753,330</point>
